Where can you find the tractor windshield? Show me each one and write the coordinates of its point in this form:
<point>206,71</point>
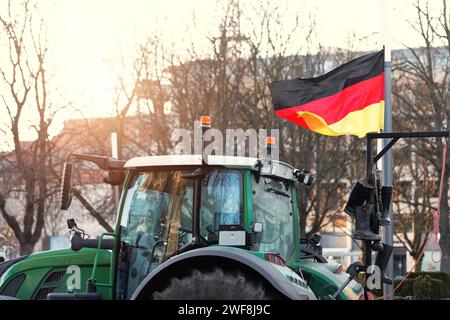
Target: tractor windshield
<point>157,218</point>
<point>273,207</point>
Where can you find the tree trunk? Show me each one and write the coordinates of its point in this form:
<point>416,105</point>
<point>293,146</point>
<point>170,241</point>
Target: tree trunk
<point>444,243</point>
<point>444,228</point>
<point>418,267</point>
<point>26,248</point>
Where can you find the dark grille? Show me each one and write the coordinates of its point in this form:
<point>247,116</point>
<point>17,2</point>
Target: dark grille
<point>43,292</point>
<point>13,287</point>
<point>54,277</point>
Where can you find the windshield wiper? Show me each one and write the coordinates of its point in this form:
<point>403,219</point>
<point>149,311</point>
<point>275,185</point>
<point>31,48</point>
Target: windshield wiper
<point>278,192</point>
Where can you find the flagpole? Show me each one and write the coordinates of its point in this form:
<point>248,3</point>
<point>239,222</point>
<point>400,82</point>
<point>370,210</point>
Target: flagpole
<point>387,158</point>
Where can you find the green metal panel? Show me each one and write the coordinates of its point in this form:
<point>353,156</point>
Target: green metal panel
<point>322,275</point>
<point>122,202</point>
<point>294,260</point>
<point>115,252</point>
<point>38,266</point>
<point>248,201</point>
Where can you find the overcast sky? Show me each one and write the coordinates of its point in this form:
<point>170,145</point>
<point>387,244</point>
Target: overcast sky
<point>87,38</point>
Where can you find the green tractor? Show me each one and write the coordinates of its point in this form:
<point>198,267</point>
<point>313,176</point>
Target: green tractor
<point>188,227</point>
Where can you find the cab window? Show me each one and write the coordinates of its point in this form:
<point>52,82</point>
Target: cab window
<point>221,202</point>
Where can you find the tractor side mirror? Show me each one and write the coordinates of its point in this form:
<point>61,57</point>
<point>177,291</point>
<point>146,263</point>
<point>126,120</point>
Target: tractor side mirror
<point>66,186</point>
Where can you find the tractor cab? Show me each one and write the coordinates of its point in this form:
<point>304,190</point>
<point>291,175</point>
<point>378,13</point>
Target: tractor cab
<point>173,204</point>
<point>227,224</point>
<point>229,214</point>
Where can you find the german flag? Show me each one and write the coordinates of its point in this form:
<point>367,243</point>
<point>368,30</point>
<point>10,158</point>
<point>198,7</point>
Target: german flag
<point>346,100</point>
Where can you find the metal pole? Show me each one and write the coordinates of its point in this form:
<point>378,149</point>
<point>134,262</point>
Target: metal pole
<point>387,158</point>
<point>387,175</point>
<point>368,243</point>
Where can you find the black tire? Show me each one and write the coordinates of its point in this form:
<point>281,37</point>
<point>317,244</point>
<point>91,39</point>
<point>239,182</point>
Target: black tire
<point>217,284</point>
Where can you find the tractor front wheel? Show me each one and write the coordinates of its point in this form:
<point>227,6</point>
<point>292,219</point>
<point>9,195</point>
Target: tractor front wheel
<point>217,284</point>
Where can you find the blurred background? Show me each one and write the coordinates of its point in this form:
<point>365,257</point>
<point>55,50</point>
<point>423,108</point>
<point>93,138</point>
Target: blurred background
<point>74,72</point>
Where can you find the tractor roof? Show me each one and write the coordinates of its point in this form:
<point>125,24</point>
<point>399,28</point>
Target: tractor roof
<point>275,168</point>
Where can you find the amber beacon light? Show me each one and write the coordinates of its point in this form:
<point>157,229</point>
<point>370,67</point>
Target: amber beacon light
<point>205,122</point>
<point>270,141</point>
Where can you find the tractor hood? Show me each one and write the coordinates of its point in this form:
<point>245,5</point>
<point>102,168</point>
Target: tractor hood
<point>39,271</point>
<point>4,266</point>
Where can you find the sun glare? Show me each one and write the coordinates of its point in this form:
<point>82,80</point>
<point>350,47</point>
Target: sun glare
<point>92,43</point>
<point>100,83</point>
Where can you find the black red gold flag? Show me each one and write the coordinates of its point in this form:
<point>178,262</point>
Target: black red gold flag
<point>346,100</point>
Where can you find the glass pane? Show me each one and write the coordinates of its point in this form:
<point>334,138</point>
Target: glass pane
<point>156,221</point>
<point>272,206</point>
<point>221,202</point>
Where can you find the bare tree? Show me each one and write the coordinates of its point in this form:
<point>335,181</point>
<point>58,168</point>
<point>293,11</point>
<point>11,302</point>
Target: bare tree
<point>139,121</point>
<point>415,187</point>
<point>8,243</point>
<point>24,77</point>
<point>422,95</point>
<point>153,92</point>
<point>275,55</point>
<point>231,85</point>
